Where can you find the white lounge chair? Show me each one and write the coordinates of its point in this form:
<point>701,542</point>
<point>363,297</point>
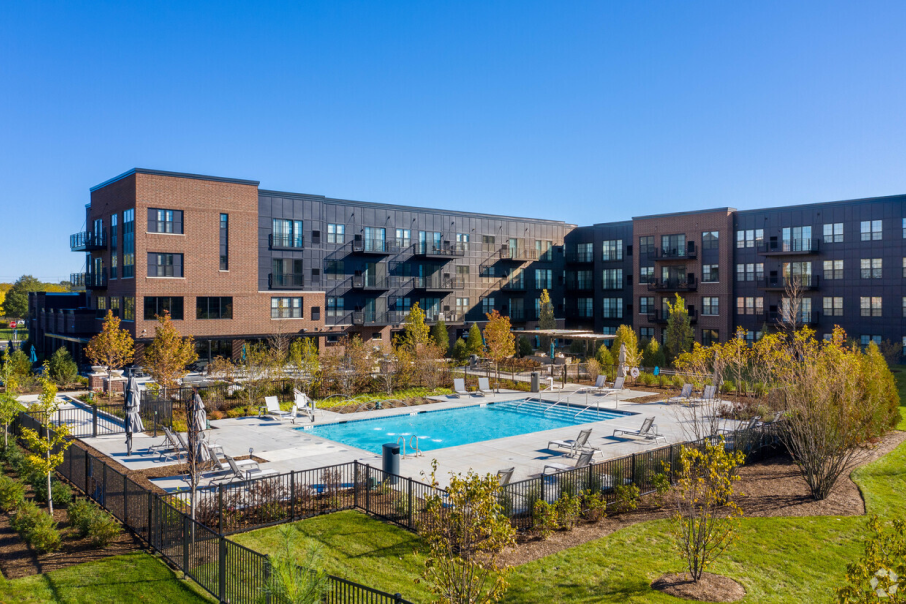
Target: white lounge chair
<point>303,405</point>
<point>484,386</point>
<point>684,395</point>
<point>272,407</point>
<point>583,462</point>
<point>706,397</point>
<point>221,465</point>
<point>648,431</point>
<point>574,445</point>
<point>459,388</point>
<point>617,386</point>
<point>245,473</point>
<point>504,476</point>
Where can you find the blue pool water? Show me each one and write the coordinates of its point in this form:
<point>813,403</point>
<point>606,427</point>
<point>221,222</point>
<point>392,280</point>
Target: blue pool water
<point>452,427</point>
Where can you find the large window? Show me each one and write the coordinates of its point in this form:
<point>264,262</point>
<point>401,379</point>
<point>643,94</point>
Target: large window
<point>287,272</point>
<point>335,269</point>
<point>747,305</point>
<point>164,221</point>
<point>674,245</point>
<point>224,242</point>
<point>286,308</point>
<point>335,307</point>
<point>710,240</point>
<point>646,274</point>
<point>710,305</point>
<point>871,268</point>
<point>156,306</point>
<point>543,278</point>
<point>544,250</point>
<point>586,307</point>
<point>128,308</point>
<point>488,243</point>
<point>403,238</point>
<point>114,253</point>
<point>866,340</point>
<point>833,306</point>
<point>750,271</point>
<point>336,233</point>
<point>870,230</point>
<point>129,243</point>
<point>164,265</point>
<point>870,306</point>
<point>613,308</point>
<point>646,245</point>
<point>585,252</point>
<point>797,239</point>
<point>802,270</point>
<point>710,273</point>
<point>833,269</point>
<point>581,280</point>
<point>214,307</point>
<point>833,233</point>
<point>709,337</point>
<point>646,334</point>
<point>612,250</point>
<point>287,233</point>
<point>749,238</point>
<point>613,278</point>
<point>487,305</point>
<point>646,305</point>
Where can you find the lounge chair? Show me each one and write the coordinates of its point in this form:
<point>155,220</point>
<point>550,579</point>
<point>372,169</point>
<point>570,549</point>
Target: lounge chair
<point>600,384</point>
<point>748,426</point>
<point>272,407</point>
<point>245,473</point>
<point>684,395</point>
<point>777,416</point>
<point>574,446</point>
<point>617,386</point>
<point>170,447</point>
<point>583,462</point>
<point>484,386</point>
<point>706,397</point>
<point>303,405</point>
<point>648,431</point>
<point>459,388</point>
<point>216,451</point>
<point>504,476</point>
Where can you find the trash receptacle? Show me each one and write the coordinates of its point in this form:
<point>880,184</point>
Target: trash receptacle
<point>536,382</point>
<point>391,461</point>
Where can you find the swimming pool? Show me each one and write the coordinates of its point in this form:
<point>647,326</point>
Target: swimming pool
<point>460,426</point>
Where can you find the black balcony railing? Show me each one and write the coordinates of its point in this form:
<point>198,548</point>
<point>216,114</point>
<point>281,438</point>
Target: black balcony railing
<point>285,280</point>
<point>513,286</point>
<point>286,242</point>
<point>580,257</point>
<point>439,282</point>
<point>515,315</point>
<point>377,245</point>
<point>789,247</point>
<point>77,281</point>
<point>446,249</point>
<point>687,252</point>
<point>689,284</point>
<point>96,280</point>
<point>87,241</point>
<point>375,283</point>
<point>579,285</point>
<point>661,317</point>
<point>804,282</point>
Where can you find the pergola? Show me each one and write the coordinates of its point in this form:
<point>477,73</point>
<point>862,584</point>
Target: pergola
<point>567,334</point>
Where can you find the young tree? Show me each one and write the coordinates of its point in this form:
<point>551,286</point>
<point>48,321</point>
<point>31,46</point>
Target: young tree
<point>705,520</point>
<point>47,452</point>
<point>653,355</point>
<point>627,337</point>
<point>700,420</point>
<point>416,330</point>
<point>304,357</point>
<point>295,578</point>
<point>501,343</point>
<point>113,348</point>
<point>62,369</point>
<point>474,343</point>
<point>680,334</point>
<point>9,404</point>
<point>524,346</point>
<point>440,335</point>
<point>458,353</point>
<point>169,354</point>
<point>546,319</point>
<point>466,531</point>
<point>880,574</point>
<point>737,356</point>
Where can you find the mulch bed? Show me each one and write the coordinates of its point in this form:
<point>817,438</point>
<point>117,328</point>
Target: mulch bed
<point>710,588</point>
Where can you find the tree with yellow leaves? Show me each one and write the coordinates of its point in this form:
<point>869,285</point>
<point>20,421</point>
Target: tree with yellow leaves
<point>499,340</point>
<point>169,354</point>
<point>113,348</point>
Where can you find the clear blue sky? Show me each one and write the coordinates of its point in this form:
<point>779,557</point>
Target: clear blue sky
<point>585,112</point>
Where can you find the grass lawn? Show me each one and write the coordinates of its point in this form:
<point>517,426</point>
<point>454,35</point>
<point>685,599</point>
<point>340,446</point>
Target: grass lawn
<point>776,559</point>
<point>900,374</point>
<point>137,577</point>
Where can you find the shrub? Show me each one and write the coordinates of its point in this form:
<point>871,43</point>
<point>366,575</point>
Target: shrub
<point>102,528</point>
<point>62,493</point>
<point>627,497</point>
<point>61,368</point>
<point>568,508</point>
<point>663,381</point>
<point>646,379</point>
<point>80,514</point>
<point>44,536</point>
<point>728,386</point>
<point>594,506</point>
<point>544,519</point>
<point>12,493</point>
<point>236,412</point>
<point>678,382</point>
<point>661,484</point>
<point>25,517</point>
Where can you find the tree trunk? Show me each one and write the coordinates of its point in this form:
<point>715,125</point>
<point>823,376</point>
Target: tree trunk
<point>49,496</point>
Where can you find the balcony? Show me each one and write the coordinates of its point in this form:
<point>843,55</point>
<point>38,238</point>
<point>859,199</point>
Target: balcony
<point>95,280</point>
<point>584,285</point>
<point>580,257</point>
<point>88,241</point>
<point>792,247</point>
<point>370,282</point>
<point>438,282</point>
<point>447,249</point>
<point>518,254</point>
<point>806,283</point>
<point>285,280</point>
<point>449,318</point>
<point>364,317</point>
<point>515,315</point>
<point>513,286</point>
<point>77,281</point>
<point>286,242</point>
<point>660,317</point>
<point>689,252</point>
<point>673,285</point>
<point>802,317</point>
<point>375,245</point>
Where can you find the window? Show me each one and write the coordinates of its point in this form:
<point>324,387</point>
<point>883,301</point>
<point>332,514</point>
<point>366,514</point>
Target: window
<point>287,233</point>
<point>609,331</point>
<point>646,246</point>
<point>871,268</point>
<point>613,278</point>
<point>797,239</point>
<point>674,245</point>
<point>586,307</point>
<point>462,241</point>
<point>613,308</point>
<point>710,336</point>
<point>214,307</point>
<point>335,269</point>
<point>585,252</point>
<point>335,307</point>
<point>114,254</point>
<point>749,238</point>
<point>750,271</point>
<point>164,221</point>
<point>870,230</point>
<point>101,303</point>
<point>646,274</point>
<point>115,305</point>
<point>749,306</point>
<point>286,308</point>
<point>833,233</point>
<point>833,269</point>
<point>805,310</point>
<point>870,306</point>
<point>709,240</point>
<point>833,307</point>
<point>463,306</point>
<point>800,270</point>
<point>224,242</point>
<point>543,278</point>
<point>866,340</point>
<point>613,250</point>
<point>487,305</point>
<point>403,238</point>
<point>286,272</point>
<point>164,265</point>
<point>128,308</point>
<point>904,228</point>
<point>581,280</point>
<point>129,243</point>
<point>710,273</point>
<point>759,271</point>
<point>336,233</point>
<point>710,305</point>
<point>646,305</point>
<point>544,250</point>
<point>646,333</point>
<point>904,306</point>
<point>904,267</point>
<point>157,306</point>
<point>488,243</point>
<point>403,304</point>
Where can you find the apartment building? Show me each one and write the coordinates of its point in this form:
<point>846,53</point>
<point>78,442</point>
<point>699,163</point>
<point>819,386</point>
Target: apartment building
<point>233,263</point>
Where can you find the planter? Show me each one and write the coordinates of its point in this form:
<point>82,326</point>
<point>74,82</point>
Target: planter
<point>117,373</point>
<point>98,368</point>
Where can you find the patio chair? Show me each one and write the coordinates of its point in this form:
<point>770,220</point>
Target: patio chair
<point>648,431</point>
<point>777,417</point>
<point>272,407</point>
<point>304,405</point>
<point>484,386</point>
<point>706,397</point>
<point>169,447</point>
<point>574,445</point>
<point>748,426</point>
<point>216,451</point>
<point>583,462</point>
<point>600,384</point>
<point>459,388</point>
<point>245,473</point>
<point>684,395</point>
<point>504,476</point>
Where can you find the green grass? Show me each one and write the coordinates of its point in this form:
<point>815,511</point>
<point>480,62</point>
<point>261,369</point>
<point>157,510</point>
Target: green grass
<point>775,559</point>
<point>136,577</point>
<point>899,373</point>
<point>403,394</point>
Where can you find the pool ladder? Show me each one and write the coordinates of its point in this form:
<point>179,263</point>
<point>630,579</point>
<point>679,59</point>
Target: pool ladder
<point>416,451</point>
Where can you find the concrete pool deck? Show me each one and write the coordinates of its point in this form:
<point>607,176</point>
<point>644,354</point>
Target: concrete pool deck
<point>285,448</point>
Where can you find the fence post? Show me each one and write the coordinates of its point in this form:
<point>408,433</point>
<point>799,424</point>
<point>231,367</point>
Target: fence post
<point>632,469</point>
<point>94,420</point>
<point>220,508</point>
<point>267,578</point>
<point>104,487</point>
<point>150,518</point>
<point>410,503</point>
<point>222,570</point>
<point>292,496</point>
<point>125,500</point>
<point>368,488</point>
<point>185,543</point>
<point>542,487</point>
<point>355,484</point>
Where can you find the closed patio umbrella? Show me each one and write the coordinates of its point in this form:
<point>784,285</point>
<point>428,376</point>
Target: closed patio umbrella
<point>133,419</point>
<point>716,379</point>
<point>199,424</point>
<point>621,362</point>
<point>33,357</point>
